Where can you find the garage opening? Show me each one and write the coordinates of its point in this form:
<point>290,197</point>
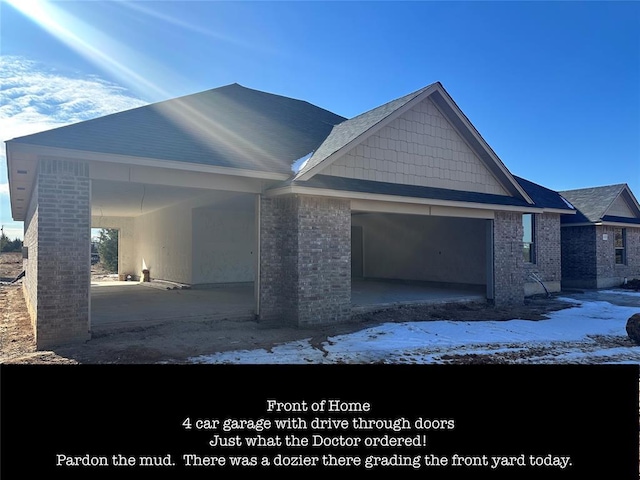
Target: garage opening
<point>104,254</point>
<point>184,254</point>
<point>404,259</point>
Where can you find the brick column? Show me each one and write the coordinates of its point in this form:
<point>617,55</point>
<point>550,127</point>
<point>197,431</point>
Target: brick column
<point>324,260</point>
<point>278,259</point>
<point>305,260</point>
<point>63,253</point>
<point>508,260</point>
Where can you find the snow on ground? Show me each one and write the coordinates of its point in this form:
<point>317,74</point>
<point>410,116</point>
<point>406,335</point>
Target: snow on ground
<point>589,332</point>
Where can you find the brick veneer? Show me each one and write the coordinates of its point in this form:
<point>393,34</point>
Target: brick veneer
<point>579,257</point>
<point>611,274</point>
<point>547,263</point>
<point>508,259</point>
<point>588,257</point>
<point>58,270</point>
<point>305,260</point>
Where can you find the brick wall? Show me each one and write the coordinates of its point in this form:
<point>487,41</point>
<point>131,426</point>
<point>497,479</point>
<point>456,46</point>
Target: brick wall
<point>547,263</point>
<point>30,264</point>
<point>324,260</point>
<point>305,260</point>
<point>579,257</point>
<point>63,244</point>
<point>588,257</point>
<point>278,259</point>
<point>609,273</point>
<point>633,253</point>
<point>508,263</point>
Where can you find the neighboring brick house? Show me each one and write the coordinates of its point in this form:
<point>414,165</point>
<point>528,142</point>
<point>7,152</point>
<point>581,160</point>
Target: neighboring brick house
<point>234,185</point>
<point>601,242</point>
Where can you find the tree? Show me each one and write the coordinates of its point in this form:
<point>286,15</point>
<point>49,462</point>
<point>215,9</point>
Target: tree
<point>7,245</point>
<point>108,248</point>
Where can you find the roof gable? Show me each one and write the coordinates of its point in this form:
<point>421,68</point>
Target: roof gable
<point>619,208</point>
<point>346,136</point>
<point>609,203</point>
<point>231,126</point>
<point>350,131</point>
<point>420,147</point>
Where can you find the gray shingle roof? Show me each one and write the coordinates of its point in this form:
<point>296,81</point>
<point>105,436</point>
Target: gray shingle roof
<point>591,203</point>
<point>396,189</point>
<point>542,196</point>
<point>351,129</point>
<point>231,126</point>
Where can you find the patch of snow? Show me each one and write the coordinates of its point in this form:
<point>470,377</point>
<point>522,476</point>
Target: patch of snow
<point>623,292</point>
<point>567,336</point>
<point>300,163</point>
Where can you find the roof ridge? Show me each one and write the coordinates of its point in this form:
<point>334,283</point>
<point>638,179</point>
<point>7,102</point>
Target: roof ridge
<point>621,185</point>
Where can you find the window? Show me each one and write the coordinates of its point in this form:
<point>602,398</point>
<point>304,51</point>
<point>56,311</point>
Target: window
<point>528,237</point>
<point>619,241</point>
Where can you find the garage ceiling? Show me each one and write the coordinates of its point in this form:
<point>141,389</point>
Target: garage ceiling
<point>128,199</point>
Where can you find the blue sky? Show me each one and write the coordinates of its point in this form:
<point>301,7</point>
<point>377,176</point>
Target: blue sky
<point>553,87</point>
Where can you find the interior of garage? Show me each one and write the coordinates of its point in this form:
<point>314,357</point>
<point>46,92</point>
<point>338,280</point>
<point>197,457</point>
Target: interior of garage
<point>404,258</point>
<point>198,248</point>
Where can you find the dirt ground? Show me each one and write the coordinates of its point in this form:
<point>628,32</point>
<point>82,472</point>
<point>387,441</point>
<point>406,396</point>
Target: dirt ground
<point>178,341</point>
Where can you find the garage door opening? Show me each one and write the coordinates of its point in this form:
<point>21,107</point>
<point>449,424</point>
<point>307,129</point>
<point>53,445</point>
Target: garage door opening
<point>104,254</point>
<point>182,254</point>
<point>404,259</point>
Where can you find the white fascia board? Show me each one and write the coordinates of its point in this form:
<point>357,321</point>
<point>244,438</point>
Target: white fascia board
<point>143,161</point>
<point>325,192</point>
<point>558,210</point>
<point>618,224</point>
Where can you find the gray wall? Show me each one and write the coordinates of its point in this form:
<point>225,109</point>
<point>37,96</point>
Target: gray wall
<point>224,243</point>
<point>162,241</point>
<point>413,247</point>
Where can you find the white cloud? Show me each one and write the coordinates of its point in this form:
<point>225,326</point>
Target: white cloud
<point>35,97</point>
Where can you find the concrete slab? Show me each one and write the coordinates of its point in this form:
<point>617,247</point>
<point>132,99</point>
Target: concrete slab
<point>369,294</point>
<point>123,305</point>
<point>117,306</point>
